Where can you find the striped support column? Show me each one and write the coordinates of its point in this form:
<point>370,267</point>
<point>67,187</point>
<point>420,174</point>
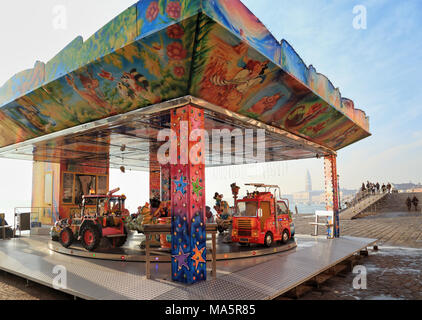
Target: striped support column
<point>331,193</point>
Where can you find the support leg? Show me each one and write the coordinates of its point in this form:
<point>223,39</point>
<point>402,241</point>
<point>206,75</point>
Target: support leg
<point>147,256</point>
<point>214,255</point>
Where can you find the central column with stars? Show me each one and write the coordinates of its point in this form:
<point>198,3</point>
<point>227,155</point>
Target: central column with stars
<point>187,170</point>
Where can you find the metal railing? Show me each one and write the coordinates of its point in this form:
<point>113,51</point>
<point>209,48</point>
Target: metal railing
<point>361,196</point>
<point>368,201</point>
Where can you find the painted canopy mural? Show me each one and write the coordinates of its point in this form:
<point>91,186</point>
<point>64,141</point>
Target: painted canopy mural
<point>155,51</point>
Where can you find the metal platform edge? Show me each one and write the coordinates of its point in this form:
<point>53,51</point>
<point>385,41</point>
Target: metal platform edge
<point>74,293</point>
<point>366,242</point>
<point>304,280</point>
<point>165,257</point>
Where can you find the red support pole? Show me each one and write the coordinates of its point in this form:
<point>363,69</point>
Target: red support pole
<point>165,183</point>
<point>154,173</point>
<point>331,193</point>
<point>188,195</point>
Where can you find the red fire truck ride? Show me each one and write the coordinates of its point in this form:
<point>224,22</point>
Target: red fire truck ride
<point>262,218</point>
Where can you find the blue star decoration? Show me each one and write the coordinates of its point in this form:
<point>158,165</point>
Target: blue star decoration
<point>181,259</point>
<point>181,185</point>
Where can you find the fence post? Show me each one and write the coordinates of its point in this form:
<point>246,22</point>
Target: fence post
<point>3,224</point>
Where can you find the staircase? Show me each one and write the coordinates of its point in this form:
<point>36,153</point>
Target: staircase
<point>396,202</point>
<point>360,207</point>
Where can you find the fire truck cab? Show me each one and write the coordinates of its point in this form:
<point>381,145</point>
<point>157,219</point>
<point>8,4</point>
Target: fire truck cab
<point>261,218</point>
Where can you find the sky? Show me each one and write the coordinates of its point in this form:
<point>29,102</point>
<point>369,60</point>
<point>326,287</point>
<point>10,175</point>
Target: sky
<point>378,67</point>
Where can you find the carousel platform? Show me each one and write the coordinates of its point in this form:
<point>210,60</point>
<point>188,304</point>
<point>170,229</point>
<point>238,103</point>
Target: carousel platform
<point>256,277</point>
<point>133,252</point>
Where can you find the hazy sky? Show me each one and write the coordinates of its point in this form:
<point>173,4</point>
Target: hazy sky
<point>379,68</point>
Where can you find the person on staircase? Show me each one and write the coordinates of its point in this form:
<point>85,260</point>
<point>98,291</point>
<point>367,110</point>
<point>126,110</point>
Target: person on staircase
<point>415,202</point>
<point>409,203</point>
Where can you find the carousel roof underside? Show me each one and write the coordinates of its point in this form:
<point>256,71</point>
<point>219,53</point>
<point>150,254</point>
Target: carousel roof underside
<point>100,143</point>
<point>116,88</point>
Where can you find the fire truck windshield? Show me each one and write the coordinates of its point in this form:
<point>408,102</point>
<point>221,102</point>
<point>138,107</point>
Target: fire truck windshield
<point>247,209</point>
<point>282,208</point>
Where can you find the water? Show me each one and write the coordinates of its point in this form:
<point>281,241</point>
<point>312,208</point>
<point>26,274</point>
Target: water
<point>301,208</point>
<point>307,208</point>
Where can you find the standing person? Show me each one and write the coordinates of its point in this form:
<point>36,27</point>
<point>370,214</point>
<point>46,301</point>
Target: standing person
<point>383,188</point>
<point>362,193</point>
<point>389,187</point>
<point>415,202</point>
<point>378,187</point>
<point>409,203</point>
<point>209,215</point>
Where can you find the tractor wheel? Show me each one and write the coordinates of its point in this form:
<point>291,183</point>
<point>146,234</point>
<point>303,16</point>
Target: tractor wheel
<point>285,237</point>
<point>90,237</point>
<point>66,237</point>
<point>268,241</point>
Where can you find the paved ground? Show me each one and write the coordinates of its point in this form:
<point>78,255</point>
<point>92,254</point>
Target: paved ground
<point>393,273</point>
<point>15,288</point>
<point>392,228</point>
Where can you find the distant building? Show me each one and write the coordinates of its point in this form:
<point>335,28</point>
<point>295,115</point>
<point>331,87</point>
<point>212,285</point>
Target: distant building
<point>415,190</point>
<point>407,187</point>
<point>308,182</point>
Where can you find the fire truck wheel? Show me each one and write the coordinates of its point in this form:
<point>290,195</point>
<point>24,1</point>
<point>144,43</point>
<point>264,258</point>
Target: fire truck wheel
<point>268,239</point>
<point>90,237</point>
<point>285,237</point>
<point>66,237</point>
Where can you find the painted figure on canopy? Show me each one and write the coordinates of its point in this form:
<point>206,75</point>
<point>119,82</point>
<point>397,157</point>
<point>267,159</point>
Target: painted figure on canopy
<point>91,93</point>
<point>300,116</point>
<point>266,104</point>
<point>135,86</point>
<point>230,74</point>
<point>34,118</point>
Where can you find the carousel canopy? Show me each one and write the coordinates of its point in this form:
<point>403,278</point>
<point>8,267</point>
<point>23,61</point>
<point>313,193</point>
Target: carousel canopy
<point>157,51</point>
